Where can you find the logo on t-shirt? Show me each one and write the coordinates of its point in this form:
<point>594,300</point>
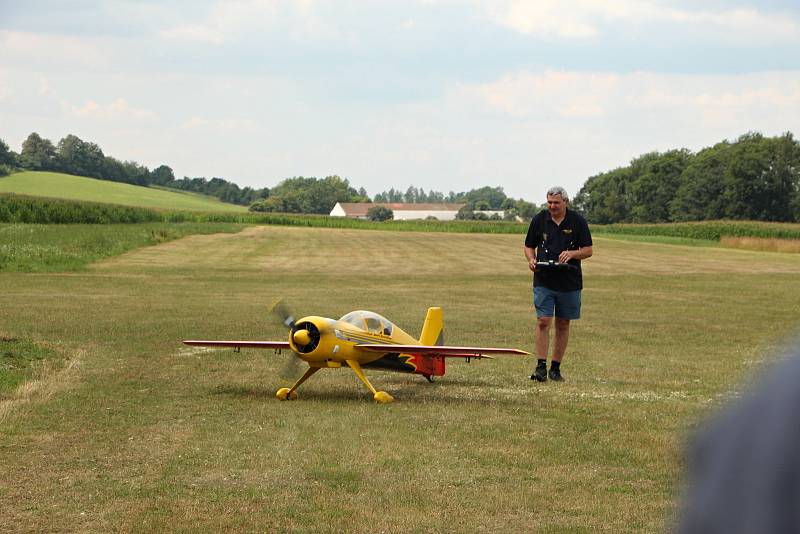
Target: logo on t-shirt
<point>568,231</point>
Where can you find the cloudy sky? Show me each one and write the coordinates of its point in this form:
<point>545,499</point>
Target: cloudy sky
<point>440,94</point>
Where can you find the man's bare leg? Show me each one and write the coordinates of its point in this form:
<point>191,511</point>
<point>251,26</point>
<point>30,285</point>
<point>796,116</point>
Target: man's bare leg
<point>561,339</point>
<point>542,336</point>
<point>541,345</point>
<point>559,348</point>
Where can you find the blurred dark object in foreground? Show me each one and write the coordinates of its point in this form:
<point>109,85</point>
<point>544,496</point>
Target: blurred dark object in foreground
<point>744,466</point>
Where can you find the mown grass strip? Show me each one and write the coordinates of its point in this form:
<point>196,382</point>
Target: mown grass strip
<point>70,247</point>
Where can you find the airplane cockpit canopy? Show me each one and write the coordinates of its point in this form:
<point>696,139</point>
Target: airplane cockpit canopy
<point>369,321</point>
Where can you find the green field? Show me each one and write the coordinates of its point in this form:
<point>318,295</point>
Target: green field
<point>57,185</point>
<point>128,430</point>
<point>70,247</point>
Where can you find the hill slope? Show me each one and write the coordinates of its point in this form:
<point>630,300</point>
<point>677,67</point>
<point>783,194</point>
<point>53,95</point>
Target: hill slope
<point>57,185</point>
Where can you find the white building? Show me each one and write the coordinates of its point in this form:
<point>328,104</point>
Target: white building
<point>402,212</point>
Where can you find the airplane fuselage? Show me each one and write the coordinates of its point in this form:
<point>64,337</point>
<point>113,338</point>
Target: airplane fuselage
<point>335,342</point>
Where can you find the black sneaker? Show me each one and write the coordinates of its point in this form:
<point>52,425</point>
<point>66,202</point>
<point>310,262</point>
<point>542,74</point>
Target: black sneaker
<point>555,375</point>
<point>540,373</point>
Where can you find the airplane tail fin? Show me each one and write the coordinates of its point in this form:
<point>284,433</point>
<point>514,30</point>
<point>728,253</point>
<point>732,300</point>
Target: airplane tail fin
<point>432,334</point>
<point>432,330</point>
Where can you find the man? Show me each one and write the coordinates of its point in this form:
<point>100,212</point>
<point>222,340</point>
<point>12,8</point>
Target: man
<point>558,239</point>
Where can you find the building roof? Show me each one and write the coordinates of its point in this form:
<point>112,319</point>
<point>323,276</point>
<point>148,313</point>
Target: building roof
<point>359,209</point>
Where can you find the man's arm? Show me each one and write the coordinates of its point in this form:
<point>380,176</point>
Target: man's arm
<point>580,254</point>
<point>530,254</point>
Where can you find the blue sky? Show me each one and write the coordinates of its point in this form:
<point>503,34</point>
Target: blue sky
<point>440,94</point>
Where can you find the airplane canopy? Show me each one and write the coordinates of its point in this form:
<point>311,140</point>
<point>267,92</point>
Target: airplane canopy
<point>370,321</point>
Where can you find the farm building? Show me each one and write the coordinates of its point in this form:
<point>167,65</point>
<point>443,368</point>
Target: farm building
<point>358,210</point>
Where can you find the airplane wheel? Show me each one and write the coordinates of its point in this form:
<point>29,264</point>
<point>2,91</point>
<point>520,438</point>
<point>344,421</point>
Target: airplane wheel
<point>283,394</point>
<point>382,397</point>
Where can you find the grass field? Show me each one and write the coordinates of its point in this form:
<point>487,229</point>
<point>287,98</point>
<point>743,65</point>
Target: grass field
<point>131,431</point>
<point>70,247</point>
<point>57,185</point>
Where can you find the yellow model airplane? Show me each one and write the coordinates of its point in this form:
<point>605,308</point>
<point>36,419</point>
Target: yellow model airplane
<point>364,339</point>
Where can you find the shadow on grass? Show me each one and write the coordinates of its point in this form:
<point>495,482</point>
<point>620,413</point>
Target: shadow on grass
<point>244,391</point>
<point>403,389</point>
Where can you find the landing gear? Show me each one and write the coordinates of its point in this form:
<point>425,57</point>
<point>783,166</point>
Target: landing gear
<point>286,394</point>
<point>290,393</point>
<point>380,397</point>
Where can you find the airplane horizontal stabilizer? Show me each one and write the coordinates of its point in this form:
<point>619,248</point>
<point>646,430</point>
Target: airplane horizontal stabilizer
<point>440,350</point>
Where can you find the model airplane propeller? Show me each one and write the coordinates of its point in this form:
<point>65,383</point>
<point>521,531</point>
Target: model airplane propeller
<point>362,339</point>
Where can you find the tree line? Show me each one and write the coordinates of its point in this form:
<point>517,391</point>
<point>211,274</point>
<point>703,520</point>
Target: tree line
<point>476,201</point>
<point>72,155</point>
<point>752,178</point>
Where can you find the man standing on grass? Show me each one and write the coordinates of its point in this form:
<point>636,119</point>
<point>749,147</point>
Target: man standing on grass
<point>558,239</point>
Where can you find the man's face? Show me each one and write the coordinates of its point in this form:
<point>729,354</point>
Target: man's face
<point>556,205</point>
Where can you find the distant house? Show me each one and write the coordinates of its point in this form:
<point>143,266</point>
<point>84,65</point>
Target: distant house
<point>402,212</point>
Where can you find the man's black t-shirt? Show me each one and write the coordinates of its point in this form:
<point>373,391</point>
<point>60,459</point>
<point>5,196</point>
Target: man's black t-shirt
<point>550,239</point>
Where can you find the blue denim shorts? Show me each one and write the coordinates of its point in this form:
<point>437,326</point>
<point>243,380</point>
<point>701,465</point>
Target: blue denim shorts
<point>562,304</point>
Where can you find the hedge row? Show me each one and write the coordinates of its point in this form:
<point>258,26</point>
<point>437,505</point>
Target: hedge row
<point>24,209</point>
<point>39,210</point>
<point>708,230</point>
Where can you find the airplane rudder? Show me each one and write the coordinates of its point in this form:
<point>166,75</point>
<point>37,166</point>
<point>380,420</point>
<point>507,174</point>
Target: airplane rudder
<point>432,329</point>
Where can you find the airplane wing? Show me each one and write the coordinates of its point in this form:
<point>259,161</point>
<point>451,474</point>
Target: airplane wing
<point>244,344</point>
<point>440,350</point>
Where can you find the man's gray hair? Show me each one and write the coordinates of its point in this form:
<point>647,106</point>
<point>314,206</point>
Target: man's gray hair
<point>558,190</point>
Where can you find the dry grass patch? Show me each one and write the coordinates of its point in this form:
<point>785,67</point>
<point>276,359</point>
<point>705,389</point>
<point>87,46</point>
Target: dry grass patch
<point>761,244</point>
<point>280,249</point>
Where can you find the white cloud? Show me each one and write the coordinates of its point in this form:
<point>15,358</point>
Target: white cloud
<point>547,94</point>
<point>715,98</point>
<point>194,123</point>
<point>6,91</point>
<point>44,86</point>
<point>546,17</point>
<point>743,25</point>
<point>578,19</point>
<point>119,109</point>
<point>227,124</point>
<point>227,20</point>
<point>31,51</point>
<point>193,33</point>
